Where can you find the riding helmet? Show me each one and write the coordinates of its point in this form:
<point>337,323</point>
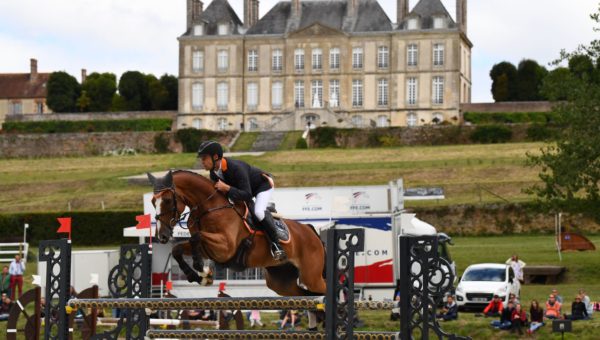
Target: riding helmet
<point>210,148</point>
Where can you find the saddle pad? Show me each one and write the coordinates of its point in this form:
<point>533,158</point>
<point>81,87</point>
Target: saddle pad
<point>283,233</point>
<point>282,230</point>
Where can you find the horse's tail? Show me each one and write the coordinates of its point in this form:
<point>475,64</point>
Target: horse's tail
<point>312,227</point>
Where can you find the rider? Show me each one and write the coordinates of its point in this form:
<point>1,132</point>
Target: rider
<point>241,182</point>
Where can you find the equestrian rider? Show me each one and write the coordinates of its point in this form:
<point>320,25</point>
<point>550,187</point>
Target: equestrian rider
<point>241,182</point>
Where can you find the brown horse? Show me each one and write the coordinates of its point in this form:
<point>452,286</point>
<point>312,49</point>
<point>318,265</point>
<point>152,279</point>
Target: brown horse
<point>218,230</point>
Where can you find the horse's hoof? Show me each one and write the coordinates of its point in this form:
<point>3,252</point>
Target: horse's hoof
<point>194,278</point>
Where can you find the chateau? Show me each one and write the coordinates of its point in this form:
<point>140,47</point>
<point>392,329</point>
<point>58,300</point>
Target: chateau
<point>340,63</point>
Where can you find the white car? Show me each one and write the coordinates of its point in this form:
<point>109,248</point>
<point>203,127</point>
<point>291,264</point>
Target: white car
<point>480,282</point>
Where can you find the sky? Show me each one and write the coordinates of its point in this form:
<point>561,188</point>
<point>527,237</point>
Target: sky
<point>116,35</point>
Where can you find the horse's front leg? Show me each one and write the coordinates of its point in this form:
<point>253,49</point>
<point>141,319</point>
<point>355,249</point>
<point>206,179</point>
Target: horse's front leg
<point>199,263</point>
<point>178,251</point>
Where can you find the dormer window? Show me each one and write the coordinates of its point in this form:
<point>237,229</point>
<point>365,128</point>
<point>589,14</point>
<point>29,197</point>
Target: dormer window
<point>223,29</point>
<point>413,24</point>
<point>198,30</point>
<point>439,23</point>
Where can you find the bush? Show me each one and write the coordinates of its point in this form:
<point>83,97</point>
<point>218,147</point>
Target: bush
<point>481,118</point>
<point>538,132</point>
<point>161,143</point>
<point>191,138</point>
<point>324,137</point>
<point>66,126</point>
<point>301,143</point>
<point>491,134</point>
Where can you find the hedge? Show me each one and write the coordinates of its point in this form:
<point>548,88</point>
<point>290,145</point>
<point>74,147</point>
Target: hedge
<point>191,138</point>
<point>89,228</point>
<point>65,126</point>
<point>509,117</point>
<point>491,134</point>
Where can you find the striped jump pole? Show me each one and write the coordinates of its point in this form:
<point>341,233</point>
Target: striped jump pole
<point>211,334</point>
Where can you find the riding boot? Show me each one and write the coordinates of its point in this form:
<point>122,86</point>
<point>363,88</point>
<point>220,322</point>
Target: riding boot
<point>268,224</point>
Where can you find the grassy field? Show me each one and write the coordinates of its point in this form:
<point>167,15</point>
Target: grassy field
<point>466,172</point>
<point>582,272</point>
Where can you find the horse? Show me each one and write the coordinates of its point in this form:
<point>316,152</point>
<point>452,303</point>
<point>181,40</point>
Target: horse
<point>218,232</point>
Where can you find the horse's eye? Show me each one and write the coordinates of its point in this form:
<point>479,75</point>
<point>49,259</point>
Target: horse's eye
<point>167,200</point>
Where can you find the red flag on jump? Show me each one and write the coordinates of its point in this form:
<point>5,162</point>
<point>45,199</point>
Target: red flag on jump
<point>65,225</point>
<point>169,285</point>
<point>143,221</point>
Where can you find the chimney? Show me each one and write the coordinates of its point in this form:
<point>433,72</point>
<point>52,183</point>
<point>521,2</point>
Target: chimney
<point>352,8</point>
<point>296,9</point>
<point>401,10</point>
<point>33,69</point>
<point>198,7</point>
<point>461,15</point>
<point>255,14</point>
<point>250,13</point>
<point>83,75</point>
<point>190,13</point>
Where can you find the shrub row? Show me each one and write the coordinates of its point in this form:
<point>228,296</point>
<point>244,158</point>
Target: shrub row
<point>509,117</point>
<point>88,228</point>
<point>65,126</point>
<point>191,138</point>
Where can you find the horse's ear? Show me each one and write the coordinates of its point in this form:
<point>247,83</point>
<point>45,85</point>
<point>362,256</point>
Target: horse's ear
<point>151,178</point>
<point>169,179</point>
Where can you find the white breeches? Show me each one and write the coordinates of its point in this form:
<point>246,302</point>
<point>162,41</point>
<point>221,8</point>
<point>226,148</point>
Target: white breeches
<point>261,202</point>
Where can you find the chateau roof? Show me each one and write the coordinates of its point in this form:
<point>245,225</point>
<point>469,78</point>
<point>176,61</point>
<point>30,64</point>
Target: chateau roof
<point>427,9</point>
<point>20,85</point>
<point>331,13</point>
<point>219,11</point>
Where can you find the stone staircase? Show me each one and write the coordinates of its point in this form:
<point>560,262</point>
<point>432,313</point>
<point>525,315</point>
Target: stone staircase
<point>268,141</point>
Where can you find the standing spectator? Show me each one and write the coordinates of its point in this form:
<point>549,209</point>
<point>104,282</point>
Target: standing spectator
<point>494,308</point>
<point>589,306</point>
<point>517,266</point>
<point>255,318</point>
<point>537,317</point>
<point>5,281</point>
<point>557,296</point>
<point>450,310</point>
<point>552,308</point>
<point>505,318</point>
<point>395,316</point>
<point>16,270</point>
<point>578,310</point>
<point>518,319</point>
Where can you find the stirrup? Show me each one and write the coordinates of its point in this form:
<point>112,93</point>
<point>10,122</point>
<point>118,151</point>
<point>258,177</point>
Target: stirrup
<point>278,253</point>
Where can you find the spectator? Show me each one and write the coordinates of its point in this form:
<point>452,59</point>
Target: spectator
<point>494,308</point>
<point>5,281</point>
<point>557,296</point>
<point>517,266</point>
<point>449,311</point>
<point>5,307</point>
<point>505,318</point>
<point>518,319</point>
<point>589,306</point>
<point>289,316</point>
<point>255,318</point>
<point>552,308</point>
<point>578,310</point>
<point>537,317</point>
<point>513,298</point>
<point>395,316</point>
<point>16,270</point>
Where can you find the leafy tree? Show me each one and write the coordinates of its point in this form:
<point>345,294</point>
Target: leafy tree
<point>582,67</point>
<point>530,76</point>
<point>84,101</point>
<point>157,93</point>
<point>63,92</point>
<point>133,87</point>
<point>118,103</point>
<point>504,81</point>
<point>100,88</point>
<point>171,84</point>
<point>556,86</point>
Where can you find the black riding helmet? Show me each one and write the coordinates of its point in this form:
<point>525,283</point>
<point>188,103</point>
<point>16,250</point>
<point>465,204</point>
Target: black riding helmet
<point>210,148</point>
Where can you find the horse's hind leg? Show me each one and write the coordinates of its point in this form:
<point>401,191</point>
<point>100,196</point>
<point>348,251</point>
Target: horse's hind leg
<point>283,280</point>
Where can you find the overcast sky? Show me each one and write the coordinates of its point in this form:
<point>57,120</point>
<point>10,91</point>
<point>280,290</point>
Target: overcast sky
<point>119,35</point>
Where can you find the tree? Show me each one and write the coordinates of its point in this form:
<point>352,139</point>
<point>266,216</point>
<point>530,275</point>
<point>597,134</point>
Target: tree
<point>557,84</point>
<point>171,84</point>
<point>100,88</point>
<point>582,67</point>
<point>157,93</point>
<point>63,92</point>
<point>504,81</point>
<point>133,87</point>
<point>570,167</point>
<point>83,102</point>
<point>530,76</point>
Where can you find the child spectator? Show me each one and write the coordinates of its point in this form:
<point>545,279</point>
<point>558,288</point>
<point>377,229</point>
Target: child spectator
<point>5,281</point>
<point>589,306</point>
<point>537,317</point>
<point>494,308</point>
<point>505,318</point>
<point>450,310</point>
<point>255,318</point>
<point>518,319</point>
<point>552,308</point>
<point>578,310</point>
<point>557,296</point>
<point>517,266</point>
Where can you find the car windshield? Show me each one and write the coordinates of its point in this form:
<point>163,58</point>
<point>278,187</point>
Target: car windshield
<point>485,274</point>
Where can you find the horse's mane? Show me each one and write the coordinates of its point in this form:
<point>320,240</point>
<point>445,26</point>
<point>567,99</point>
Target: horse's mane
<point>177,171</point>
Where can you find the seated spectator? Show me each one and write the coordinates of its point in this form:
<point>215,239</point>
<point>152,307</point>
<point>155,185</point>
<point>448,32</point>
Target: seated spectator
<point>589,306</point>
<point>449,311</point>
<point>255,318</point>
<point>517,266</point>
<point>518,319</point>
<point>395,316</point>
<point>513,298</point>
<point>5,281</point>
<point>505,321</point>
<point>578,310</point>
<point>537,317</point>
<point>494,308</point>
<point>5,307</point>
<point>290,316</point>
<point>552,308</point>
<point>557,296</point>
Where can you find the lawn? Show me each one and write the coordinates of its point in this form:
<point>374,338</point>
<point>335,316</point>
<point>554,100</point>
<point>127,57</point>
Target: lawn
<point>468,173</point>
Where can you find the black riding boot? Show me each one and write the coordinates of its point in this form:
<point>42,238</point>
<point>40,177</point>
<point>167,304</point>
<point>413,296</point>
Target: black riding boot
<point>269,224</point>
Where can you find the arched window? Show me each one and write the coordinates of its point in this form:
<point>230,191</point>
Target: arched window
<point>197,123</point>
<point>222,124</point>
<point>382,121</point>
<point>252,124</point>
<point>411,119</point>
<point>311,120</point>
<point>357,120</point>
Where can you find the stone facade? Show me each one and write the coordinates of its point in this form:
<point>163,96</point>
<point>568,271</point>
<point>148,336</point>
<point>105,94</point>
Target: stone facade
<point>425,47</point>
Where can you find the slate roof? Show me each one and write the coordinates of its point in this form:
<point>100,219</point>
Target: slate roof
<point>19,86</point>
<point>219,11</point>
<point>427,9</point>
<point>331,13</point>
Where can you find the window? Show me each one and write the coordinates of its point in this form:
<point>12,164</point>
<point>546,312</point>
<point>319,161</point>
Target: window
<point>413,24</point>
<point>277,95</point>
<point>437,118</point>
<point>357,93</point>
<point>438,90</point>
<point>39,107</point>
<point>252,124</point>
<point>299,59</point>
<point>299,93</point>
<point>411,91</point>
<point>197,123</point>
<point>383,57</point>
<point>197,96</point>
<point>317,93</point>
<point>252,96</point>
<point>16,108</point>
<point>411,119</point>
<point>222,96</point>
<point>334,93</point>
<point>439,23</point>
<point>197,61</point>
<point>252,60</point>
<point>357,57</point>
<point>438,54</point>
<point>223,29</point>
<point>222,61</point>
<point>277,63</point>
<point>382,121</point>
<point>198,30</point>
<point>334,58</point>
<point>275,121</point>
<point>222,124</point>
<point>357,121</point>
<point>382,92</point>
<point>311,120</point>
<point>317,59</point>
<point>412,55</point>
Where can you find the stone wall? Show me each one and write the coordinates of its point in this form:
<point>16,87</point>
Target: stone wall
<point>78,116</point>
<point>507,107</point>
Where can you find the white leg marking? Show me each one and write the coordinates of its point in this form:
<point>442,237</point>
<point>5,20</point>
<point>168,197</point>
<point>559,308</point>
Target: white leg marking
<point>158,204</point>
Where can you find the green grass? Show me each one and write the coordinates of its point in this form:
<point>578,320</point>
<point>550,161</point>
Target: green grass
<point>290,139</point>
<point>245,141</point>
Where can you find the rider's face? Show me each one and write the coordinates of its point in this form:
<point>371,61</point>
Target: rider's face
<point>206,162</point>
